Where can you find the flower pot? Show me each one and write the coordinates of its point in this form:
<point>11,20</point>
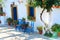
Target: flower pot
<point>33,18</point>
<point>40,29</point>
<point>2,14</point>
<point>59,34</point>
<point>9,23</point>
<point>40,32</point>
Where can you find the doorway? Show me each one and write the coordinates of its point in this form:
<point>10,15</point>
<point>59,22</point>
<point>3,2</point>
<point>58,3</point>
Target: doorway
<point>14,12</point>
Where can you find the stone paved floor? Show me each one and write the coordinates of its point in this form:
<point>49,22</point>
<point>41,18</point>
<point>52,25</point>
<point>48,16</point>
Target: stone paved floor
<point>9,33</point>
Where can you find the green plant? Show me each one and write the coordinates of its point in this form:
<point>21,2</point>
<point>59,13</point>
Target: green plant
<point>2,2</point>
<point>23,19</point>
<point>9,20</point>
<point>15,22</point>
<point>45,5</point>
<point>48,34</point>
<point>1,13</point>
<point>39,27</point>
<point>56,28</point>
<point>31,18</point>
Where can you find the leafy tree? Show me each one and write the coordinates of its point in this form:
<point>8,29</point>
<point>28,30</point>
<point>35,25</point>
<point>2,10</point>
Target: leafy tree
<point>45,5</point>
<point>2,2</point>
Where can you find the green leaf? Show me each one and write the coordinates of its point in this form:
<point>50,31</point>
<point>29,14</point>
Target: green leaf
<point>47,4</point>
<point>0,0</point>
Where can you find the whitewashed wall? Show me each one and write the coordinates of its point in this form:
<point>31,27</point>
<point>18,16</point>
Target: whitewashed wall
<point>22,12</point>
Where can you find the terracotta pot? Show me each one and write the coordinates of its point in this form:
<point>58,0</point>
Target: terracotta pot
<point>33,18</point>
<point>9,23</point>
<point>59,34</point>
<point>40,32</point>
<point>3,14</point>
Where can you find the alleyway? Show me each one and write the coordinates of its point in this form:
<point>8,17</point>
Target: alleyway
<point>9,33</point>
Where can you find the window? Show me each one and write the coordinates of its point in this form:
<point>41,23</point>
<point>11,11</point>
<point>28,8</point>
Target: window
<point>31,13</point>
<point>31,9</point>
<point>1,9</point>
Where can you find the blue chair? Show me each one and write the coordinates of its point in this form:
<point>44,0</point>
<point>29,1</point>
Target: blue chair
<point>18,27</point>
<point>28,30</point>
<point>19,21</point>
<point>32,25</point>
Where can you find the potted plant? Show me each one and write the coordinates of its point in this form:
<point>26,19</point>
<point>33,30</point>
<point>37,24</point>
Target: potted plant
<point>56,28</point>
<point>48,34</point>
<point>9,20</point>
<point>23,19</point>
<point>31,18</point>
<point>40,29</point>
<point>2,13</point>
<point>15,22</point>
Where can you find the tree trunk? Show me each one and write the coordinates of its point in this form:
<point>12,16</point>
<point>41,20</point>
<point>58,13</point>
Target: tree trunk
<point>49,26</point>
<point>46,29</point>
<point>41,17</point>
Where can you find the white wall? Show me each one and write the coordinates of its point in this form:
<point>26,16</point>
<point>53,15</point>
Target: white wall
<point>56,15</point>
<point>22,12</point>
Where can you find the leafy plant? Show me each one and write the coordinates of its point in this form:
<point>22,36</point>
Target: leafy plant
<point>15,22</point>
<point>45,5</point>
<point>1,0</point>
<point>39,27</point>
<point>9,20</point>
<point>23,19</point>
<point>31,18</point>
<point>56,28</point>
<point>48,34</point>
<point>1,12</point>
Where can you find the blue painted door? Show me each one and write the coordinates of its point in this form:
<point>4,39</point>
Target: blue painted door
<point>14,13</point>
<point>32,11</point>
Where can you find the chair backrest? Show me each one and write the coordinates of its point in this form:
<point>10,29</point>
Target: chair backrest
<point>32,24</point>
<point>19,21</point>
